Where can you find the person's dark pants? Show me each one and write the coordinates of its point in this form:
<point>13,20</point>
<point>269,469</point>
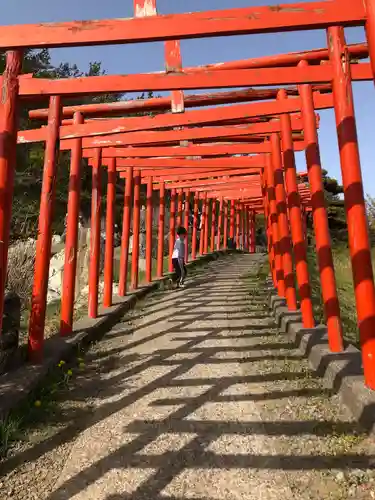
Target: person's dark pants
<point>231,244</point>
<point>180,271</point>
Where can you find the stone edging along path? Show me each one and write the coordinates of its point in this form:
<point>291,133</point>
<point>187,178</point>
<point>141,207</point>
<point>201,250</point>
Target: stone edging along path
<point>341,372</point>
<point>17,385</point>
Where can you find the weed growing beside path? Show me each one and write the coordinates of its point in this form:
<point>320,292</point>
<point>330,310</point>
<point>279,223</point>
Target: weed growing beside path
<point>40,405</point>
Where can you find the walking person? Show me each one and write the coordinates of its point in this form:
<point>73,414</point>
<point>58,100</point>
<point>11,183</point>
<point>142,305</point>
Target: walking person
<point>178,258</point>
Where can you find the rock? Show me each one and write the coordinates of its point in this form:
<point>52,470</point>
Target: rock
<point>130,244</point>
<point>352,491</point>
<point>142,264</point>
<point>56,270</point>
<point>117,236</point>
<point>340,476</point>
<point>56,239</point>
<point>20,274</point>
<point>142,220</point>
<point>142,245</point>
<point>358,473</point>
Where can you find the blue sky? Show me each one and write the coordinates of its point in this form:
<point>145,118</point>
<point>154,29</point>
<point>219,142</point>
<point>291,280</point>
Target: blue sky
<point>137,58</point>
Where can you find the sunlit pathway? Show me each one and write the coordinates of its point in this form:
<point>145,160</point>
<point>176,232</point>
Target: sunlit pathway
<point>199,397</point>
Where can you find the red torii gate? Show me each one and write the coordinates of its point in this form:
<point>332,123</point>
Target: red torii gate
<point>108,239</point>
<point>163,162</point>
<point>110,272</point>
<point>338,72</point>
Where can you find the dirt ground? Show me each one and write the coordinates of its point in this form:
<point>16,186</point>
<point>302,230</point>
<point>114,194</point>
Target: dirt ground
<point>195,395</point>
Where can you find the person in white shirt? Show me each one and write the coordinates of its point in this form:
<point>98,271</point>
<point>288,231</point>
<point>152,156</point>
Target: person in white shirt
<point>178,258</point>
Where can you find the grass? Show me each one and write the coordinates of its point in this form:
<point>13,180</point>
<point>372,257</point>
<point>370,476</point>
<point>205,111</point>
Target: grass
<point>141,274</point>
<point>38,407</point>
<point>345,290</point>
<point>263,271</point>
<point>53,315</point>
<point>9,432</point>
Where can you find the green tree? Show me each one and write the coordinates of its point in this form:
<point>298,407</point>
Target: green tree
<point>370,208</point>
<point>335,207</point>
<point>30,158</point>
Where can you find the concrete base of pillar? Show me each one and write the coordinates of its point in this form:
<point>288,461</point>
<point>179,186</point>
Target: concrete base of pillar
<point>341,372</point>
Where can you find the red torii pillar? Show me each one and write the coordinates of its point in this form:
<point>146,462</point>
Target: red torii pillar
<point>136,224</point>
<point>8,145</point>
<point>206,231</point>
<point>268,230</point>
<point>219,225</point>
<point>321,228</point>
<point>43,245</point>
<point>283,225</point>
<point>96,203</point>
<point>195,226</point>
<point>109,238</point>
<point>160,256</point>
<point>213,224</point>
<point>124,257</point>
<point>201,233</point>
<point>370,32</point>
<point>232,219</point>
<point>272,207</point>
<point>242,226</point>
<point>359,244</point>
<point>186,222</point>
<point>295,215</point>
<point>71,242</point>
<point>225,230</point>
<point>179,206</point>
<point>237,226</point>
<point>247,230</point>
<point>172,227</point>
<point>245,225</point>
<point>149,214</point>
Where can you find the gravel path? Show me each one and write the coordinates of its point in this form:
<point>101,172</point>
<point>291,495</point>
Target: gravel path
<point>196,396</point>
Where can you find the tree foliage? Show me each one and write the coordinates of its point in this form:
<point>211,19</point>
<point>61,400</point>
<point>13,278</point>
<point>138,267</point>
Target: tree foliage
<point>370,207</point>
<point>30,157</point>
<point>335,207</point>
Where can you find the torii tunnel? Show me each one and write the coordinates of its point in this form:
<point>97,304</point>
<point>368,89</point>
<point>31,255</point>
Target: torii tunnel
<point>232,156</point>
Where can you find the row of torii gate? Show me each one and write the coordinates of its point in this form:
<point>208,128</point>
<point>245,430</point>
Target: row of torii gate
<point>235,160</point>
